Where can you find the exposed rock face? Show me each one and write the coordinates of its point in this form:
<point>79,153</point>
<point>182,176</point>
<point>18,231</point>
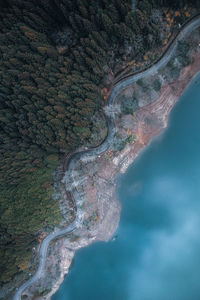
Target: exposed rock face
<point>100,206</point>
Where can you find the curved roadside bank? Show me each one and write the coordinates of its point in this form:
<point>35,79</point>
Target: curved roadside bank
<point>161,109</point>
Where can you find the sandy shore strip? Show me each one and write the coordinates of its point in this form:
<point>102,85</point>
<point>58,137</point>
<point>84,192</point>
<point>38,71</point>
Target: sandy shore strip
<point>100,205</point>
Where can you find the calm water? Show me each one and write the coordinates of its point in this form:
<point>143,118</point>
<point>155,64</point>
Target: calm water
<point>157,253</point>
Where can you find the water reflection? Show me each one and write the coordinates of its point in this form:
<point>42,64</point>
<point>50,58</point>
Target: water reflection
<point>157,253</point>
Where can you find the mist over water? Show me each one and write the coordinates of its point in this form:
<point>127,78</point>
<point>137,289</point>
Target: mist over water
<point>157,253</point>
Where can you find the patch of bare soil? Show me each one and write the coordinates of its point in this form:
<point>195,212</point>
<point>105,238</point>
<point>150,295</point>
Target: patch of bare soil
<point>100,205</point>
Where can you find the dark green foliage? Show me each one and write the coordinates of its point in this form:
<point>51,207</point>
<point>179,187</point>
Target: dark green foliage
<point>118,144</point>
<point>183,48</point>
<point>141,83</point>
<point>26,206</point>
<point>174,3</point>
<point>129,105</point>
<point>156,85</point>
<point>54,56</point>
<point>144,86</point>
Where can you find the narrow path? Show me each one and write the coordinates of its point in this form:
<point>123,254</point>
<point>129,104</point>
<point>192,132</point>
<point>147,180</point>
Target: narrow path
<point>190,26</point>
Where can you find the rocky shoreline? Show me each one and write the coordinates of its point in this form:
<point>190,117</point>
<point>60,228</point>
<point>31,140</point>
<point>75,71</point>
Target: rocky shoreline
<point>100,205</point>
<point>157,112</point>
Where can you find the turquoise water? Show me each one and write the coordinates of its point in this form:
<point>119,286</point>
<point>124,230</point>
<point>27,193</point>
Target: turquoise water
<point>157,253</point>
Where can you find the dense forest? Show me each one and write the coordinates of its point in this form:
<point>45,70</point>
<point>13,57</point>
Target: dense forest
<point>56,56</point>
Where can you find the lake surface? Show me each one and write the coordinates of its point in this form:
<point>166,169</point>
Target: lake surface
<point>157,253</point>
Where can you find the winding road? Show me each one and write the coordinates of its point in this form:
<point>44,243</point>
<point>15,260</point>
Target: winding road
<point>191,25</point>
